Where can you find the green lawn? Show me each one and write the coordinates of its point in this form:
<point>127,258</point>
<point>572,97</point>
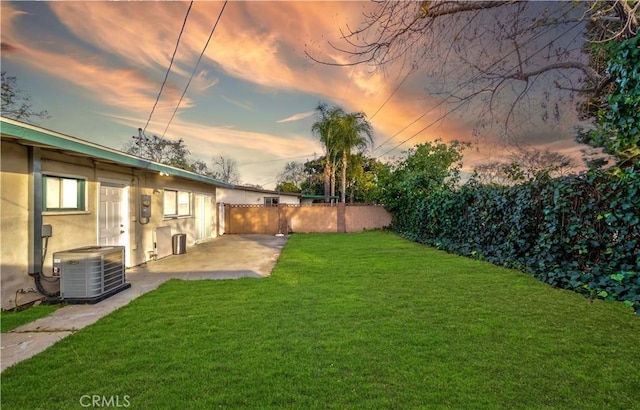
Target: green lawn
<point>9,320</point>
<point>363,321</point>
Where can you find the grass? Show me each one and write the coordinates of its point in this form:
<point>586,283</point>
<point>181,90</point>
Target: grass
<point>10,320</point>
<point>365,321</point>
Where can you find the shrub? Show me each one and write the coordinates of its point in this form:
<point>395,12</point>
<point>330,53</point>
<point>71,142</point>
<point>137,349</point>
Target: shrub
<point>577,232</point>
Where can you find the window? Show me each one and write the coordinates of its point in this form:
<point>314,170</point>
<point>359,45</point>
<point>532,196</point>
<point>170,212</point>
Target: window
<point>63,193</point>
<point>170,202</point>
<point>271,200</point>
<point>177,203</point>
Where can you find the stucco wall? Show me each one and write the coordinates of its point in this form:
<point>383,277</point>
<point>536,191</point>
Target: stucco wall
<point>76,229</point>
<point>70,230</point>
<point>14,222</point>
<point>361,217</point>
<point>314,218</point>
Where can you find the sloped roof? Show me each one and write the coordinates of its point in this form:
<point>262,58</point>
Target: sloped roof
<point>27,134</point>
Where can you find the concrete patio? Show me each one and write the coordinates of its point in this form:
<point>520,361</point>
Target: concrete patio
<point>226,257</point>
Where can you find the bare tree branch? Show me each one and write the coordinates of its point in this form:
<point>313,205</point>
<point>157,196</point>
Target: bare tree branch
<point>475,51</point>
<point>568,65</point>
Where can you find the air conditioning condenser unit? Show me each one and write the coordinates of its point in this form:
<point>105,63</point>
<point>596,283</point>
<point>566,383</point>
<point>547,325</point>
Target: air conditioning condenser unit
<point>90,274</point>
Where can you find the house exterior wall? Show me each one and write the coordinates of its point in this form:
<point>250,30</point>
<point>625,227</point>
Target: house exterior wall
<point>289,199</point>
<point>14,221</point>
<point>242,196</point>
<point>71,230</point>
<point>80,228</point>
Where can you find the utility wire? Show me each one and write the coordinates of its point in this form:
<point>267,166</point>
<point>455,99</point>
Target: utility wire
<point>184,23</point>
<point>423,129</point>
<point>535,37</point>
<point>195,67</point>
<point>276,160</point>
<point>463,102</point>
<point>392,94</point>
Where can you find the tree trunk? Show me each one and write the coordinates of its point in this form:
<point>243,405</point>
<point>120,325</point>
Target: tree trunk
<point>327,182</point>
<point>352,192</point>
<point>343,192</point>
<point>333,181</point>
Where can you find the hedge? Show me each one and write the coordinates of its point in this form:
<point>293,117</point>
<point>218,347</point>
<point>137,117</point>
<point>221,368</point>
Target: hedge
<point>577,232</point>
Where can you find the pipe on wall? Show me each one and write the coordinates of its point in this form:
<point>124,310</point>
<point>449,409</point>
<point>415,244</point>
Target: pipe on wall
<point>35,208</point>
<point>36,257</point>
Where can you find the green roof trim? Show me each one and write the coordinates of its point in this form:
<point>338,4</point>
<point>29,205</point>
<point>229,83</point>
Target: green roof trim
<point>42,136</point>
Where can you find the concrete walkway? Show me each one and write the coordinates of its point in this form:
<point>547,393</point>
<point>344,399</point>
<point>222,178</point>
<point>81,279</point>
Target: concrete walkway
<point>226,257</point>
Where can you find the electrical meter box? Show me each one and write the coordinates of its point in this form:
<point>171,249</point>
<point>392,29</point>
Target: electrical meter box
<point>145,206</point>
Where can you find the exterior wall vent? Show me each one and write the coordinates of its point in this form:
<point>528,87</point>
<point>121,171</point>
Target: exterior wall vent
<point>90,274</point>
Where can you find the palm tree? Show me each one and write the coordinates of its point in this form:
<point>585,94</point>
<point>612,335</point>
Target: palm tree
<point>328,129</point>
<point>355,132</point>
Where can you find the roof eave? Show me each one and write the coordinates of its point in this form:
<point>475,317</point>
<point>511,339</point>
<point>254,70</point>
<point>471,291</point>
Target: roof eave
<point>38,135</point>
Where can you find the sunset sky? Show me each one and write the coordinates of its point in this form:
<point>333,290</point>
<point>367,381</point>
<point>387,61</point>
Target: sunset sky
<point>97,68</point>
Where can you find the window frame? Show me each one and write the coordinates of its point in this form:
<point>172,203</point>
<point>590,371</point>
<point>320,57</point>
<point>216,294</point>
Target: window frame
<point>177,205</point>
<point>81,193</point>
<point>269,201</point>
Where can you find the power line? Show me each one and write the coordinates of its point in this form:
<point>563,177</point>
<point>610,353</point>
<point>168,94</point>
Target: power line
<point>344,95</point>
<point>535,37</point>
<point>463,102</point>
<point>392,94</point>
<point>184,23</point>
<point>276,160</point>
<point>408,125</point>
<point>423,129</point>
<point>195,67</point>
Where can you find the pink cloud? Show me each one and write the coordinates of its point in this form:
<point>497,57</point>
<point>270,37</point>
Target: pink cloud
<point>259,42</point>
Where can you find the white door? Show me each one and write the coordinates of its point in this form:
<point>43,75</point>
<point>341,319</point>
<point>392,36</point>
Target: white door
<point>112,229</point>
<point>203,216</point>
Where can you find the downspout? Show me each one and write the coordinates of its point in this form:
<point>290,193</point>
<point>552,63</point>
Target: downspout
<point>36,257</point>
<point>35,206</point>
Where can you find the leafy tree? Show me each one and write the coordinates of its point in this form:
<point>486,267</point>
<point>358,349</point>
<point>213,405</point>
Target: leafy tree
<point>288,187</point>
<point>355,132</point>
<point>314,182</point>
<point>363,176</point>
<point>339,132</point>
<point>327,128</point>
<point>16,104</point>
<point>618,116</point>
<point>425,168</point>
